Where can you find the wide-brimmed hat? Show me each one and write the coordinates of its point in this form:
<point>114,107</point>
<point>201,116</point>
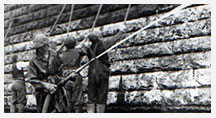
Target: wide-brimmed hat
<point>40,40</point>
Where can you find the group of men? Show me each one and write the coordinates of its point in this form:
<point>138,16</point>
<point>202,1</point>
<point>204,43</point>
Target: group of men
<point>48,67</point>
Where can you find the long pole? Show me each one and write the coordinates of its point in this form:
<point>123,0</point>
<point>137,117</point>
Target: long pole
<point>177,9</point>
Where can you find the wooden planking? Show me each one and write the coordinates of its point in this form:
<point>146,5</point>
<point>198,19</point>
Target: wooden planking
<point>131,24</point>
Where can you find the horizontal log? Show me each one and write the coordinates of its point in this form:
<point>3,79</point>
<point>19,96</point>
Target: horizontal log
<point>148,50</point>
<point>161,80</point>
<point>22,56</point>
<point>38,11</point>
<point>31,101</point>
<point>132,25</point>
<point>173,62</point>
<point>157,109</point>
<point>10,7</point>
<point>203,76</point>
<point>110,17</point>
<point>43,12</point>
<point>139,109</point>
<point>8,68</point>
<point>24,10</point>
<point>49,20</point>
<point>146,81</point>
<point>178,97</point>
<point>168,63</point>
<point>182,31</point>
<point>163,48</point>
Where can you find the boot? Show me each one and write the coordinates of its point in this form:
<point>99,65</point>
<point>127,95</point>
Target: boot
<point>78,109</point>
<point>101,108</point>
<point>91,108</point>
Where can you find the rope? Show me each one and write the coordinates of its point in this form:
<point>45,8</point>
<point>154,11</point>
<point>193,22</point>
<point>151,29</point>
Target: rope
<point>126,16</point>
<point>100,7</point>
<point>122,41</point>
<point>8,29</point>
<point>144,28</point>
<point>71,14</point>
<point>57,19</point>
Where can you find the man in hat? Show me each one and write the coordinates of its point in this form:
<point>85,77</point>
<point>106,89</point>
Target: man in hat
<point>44,74</point>
<point>71,61</point>
<point>18,89</point>
<point>98,72</point>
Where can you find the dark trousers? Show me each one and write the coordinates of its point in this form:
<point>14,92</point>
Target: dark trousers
<point>98,88</point>
<point>74,91</point>
<point>18,93</point>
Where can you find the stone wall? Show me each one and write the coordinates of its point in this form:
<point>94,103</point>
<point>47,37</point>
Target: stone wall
<point>166,68</point>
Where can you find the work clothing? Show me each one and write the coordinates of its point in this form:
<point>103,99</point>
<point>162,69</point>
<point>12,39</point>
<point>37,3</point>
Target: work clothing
<point>98,72</point>
<point>18,90</point>
<point>47,70</point>
<point>71,61</point>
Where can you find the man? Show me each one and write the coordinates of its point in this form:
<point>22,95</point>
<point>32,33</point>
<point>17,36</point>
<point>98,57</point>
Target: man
<point>44,74</point>
<point>98,72</point>
<point>71,61</point>
<point>18,89</point>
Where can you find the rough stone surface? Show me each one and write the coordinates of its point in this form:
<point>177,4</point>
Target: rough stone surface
<point>165,68</point>
<point>147,81</point>
<point>148,50</point>
<point>201,96</point>
<point>174,62</point>
<point>203,12</point>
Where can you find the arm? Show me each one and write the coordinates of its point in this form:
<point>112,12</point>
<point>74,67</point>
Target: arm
<point>36,83</point>
<point>83,46</point>
<point>33,76</point>
<point>109,42</point>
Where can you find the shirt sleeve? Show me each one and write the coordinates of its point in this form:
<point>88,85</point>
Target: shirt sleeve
<point>32,71</point>
<point>110,42</point>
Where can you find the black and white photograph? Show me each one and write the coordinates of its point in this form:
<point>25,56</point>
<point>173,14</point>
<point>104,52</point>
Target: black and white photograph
<point>107,58</point>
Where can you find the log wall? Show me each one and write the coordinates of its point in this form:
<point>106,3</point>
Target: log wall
<point>166,68</point>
